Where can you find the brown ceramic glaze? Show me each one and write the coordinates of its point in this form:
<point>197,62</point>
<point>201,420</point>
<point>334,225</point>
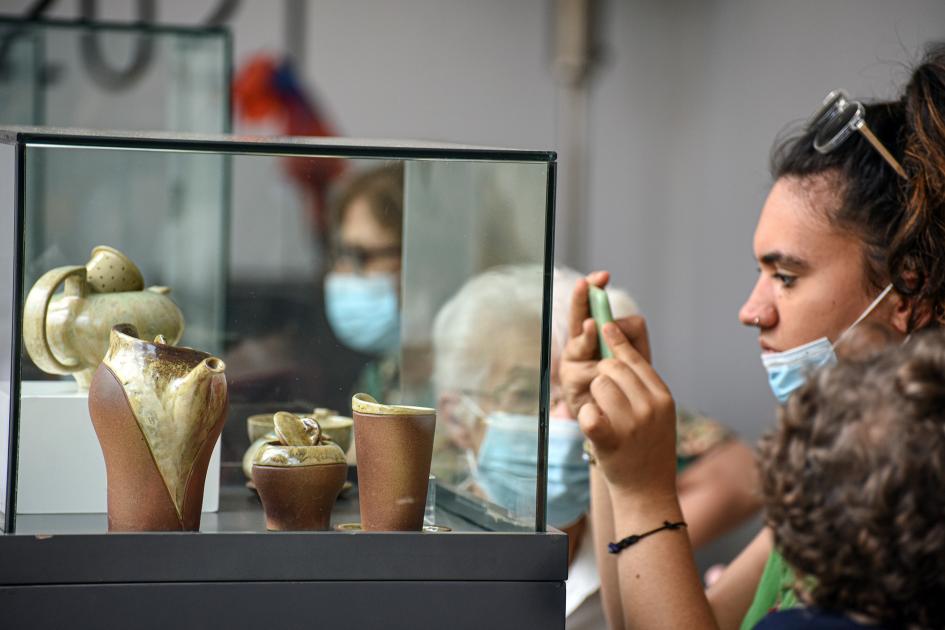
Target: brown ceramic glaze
<point>158,411</point>
<point>394,453</point>
<point>298,498</point>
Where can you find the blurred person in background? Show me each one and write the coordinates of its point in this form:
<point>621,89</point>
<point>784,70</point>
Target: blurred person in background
<point>362,289</point>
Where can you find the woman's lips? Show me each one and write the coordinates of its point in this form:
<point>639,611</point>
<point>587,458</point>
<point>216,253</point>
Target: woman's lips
<point>766,349</point>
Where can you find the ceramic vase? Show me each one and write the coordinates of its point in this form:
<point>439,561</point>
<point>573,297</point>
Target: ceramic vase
<point>158,411</point>
<point>394,445</point>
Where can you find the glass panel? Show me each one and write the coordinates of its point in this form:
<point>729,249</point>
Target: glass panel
<point>472,327</point>
<point>20,76</point>
<point>72,74</point>
<point>304,317</point>
<point>7,275</point>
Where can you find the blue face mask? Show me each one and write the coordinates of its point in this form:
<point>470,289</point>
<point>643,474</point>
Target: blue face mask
<point>508,463</point>
<point>788,370</point>
<point>363,310</point>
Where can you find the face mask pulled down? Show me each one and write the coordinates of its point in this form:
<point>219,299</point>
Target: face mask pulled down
<point>788,370</point>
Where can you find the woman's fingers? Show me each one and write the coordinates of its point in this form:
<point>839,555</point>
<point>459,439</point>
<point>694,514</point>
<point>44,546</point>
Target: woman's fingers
<point>598,278</point>
<point>582,346</point>
<point>595,425</point>
<point>634,329</point>
<point>610,398</point>
<point>626,352</point>
<point>580,310</point>
<point>577,375</point>
<point>635,392</point>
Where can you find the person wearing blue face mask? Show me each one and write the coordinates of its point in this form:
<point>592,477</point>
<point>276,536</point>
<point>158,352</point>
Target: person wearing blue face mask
<point>362,289</point>
<point>852,231</point>
<point>486,351</point>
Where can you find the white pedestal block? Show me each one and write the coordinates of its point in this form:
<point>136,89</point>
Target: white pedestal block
<point>61,468</point>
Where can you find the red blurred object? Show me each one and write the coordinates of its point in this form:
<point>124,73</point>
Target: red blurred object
<point>266,90</point>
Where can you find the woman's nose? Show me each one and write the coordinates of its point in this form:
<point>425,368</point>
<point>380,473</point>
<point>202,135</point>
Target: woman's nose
<point>758,311</point>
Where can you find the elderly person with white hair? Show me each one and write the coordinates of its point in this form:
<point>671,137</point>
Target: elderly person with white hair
<point>487,348</point>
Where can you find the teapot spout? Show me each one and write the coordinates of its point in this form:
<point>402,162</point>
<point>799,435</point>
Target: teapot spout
<point>194,393</point>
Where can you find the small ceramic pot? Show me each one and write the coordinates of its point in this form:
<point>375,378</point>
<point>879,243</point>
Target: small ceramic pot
<point>395,446</point>
<point>298,485</point>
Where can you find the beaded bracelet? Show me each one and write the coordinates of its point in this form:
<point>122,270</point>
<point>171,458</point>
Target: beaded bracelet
<point>620,545</point>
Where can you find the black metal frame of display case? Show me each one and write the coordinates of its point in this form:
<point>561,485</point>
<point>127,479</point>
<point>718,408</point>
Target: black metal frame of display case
<point>461,579</point>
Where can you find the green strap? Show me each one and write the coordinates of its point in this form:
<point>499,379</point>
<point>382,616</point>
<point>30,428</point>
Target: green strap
<point>775,591</point>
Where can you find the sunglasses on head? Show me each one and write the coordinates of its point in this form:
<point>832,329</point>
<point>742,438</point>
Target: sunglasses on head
<point>840,117</point>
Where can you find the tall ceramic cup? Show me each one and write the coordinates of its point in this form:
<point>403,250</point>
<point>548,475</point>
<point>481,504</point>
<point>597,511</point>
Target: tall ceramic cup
<point>394,445</point>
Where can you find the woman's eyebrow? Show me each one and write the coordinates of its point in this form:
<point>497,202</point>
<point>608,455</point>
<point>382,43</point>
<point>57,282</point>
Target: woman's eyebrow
<point>788,261</point>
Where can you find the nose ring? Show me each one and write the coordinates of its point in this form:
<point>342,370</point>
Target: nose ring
<point>757,321</point>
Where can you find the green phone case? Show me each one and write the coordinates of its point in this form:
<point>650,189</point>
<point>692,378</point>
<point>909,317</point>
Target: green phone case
<point>600,311</point>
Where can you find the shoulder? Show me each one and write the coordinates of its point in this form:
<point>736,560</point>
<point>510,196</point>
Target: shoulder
<point>809,618</point>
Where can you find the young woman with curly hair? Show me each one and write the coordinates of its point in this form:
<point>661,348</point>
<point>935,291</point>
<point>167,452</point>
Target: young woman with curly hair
<point>852,479</point>
<point>853,227</point>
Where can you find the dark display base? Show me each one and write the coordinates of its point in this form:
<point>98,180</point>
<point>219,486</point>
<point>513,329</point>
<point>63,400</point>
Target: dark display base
<point>245,577</point>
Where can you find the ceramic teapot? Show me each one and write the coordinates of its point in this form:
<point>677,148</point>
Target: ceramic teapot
<point>69,333</point>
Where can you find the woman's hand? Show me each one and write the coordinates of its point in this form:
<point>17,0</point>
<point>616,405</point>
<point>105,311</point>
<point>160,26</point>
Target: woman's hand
<point>631,421</point>
<point>578,365</point>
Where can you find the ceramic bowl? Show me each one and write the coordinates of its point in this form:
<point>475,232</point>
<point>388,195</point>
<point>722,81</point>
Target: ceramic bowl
<point>259,425</point>
<point>338,429</point>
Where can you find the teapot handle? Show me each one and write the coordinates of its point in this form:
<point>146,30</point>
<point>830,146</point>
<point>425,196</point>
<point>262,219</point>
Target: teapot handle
<point>36,309</point>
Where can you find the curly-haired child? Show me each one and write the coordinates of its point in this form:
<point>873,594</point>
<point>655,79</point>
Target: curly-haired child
<point>854,490</point>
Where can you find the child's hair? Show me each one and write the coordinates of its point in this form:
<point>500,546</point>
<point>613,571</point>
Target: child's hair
<point>854,484</point>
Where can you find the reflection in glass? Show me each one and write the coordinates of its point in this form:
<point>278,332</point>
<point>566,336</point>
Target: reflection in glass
<point>63,73</point>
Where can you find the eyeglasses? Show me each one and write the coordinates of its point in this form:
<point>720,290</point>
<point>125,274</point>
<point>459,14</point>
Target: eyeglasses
<point>519,393</point>
<point>837,119</point>
<point>360,257</point>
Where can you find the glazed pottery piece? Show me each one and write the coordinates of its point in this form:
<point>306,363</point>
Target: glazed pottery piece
<point>394,445</point>
<point>259,425</point>
<point>69,333</point>
<point>261,429</point>
<point>250,455</point>
<point>298,476</point>
<point>158,411</point>
<point>337,428</point>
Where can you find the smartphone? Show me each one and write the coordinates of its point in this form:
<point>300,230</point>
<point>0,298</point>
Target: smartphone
<point>600,311</point>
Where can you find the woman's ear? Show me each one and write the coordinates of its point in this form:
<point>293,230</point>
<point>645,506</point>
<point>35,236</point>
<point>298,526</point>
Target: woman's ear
<point>909,314</point>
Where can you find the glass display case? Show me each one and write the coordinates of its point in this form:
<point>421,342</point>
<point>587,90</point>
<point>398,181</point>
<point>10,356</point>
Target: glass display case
<point>435,295</point>
<point>95,75</point>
